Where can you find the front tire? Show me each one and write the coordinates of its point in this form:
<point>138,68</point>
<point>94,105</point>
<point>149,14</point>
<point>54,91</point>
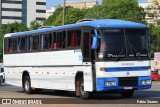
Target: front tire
<point>27,85</point>
<point>1,80</point>
<point>127,94</point>
<point>83,94</point>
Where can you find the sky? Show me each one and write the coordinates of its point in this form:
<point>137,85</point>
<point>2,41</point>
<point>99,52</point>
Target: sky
<point>51,3</point>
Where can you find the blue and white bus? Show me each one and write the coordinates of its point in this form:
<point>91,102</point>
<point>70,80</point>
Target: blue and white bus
<point>92,56</point>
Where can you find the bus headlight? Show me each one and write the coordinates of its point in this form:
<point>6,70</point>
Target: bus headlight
<point>146,82</point>
<point>110,83</point>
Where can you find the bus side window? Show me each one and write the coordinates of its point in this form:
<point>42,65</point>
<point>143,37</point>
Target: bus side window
<point>23,42</point>
<point>86,43</point>
<point>49,41</point>
<point>9,45</point>
<point>33,43</point>
<point>6,45</point>
<point>54,40</point>
<point>64,40</point>
<point>30,43</point>
<point>46,41</point>
<point>59,39</point>
<point>74,38</point>
<point>70,41</point>
<point>14,44</point>
<point>77,38</point>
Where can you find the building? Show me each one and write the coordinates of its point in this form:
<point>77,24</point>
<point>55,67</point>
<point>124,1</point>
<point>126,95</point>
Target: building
<point>22,11</point>
<point>81,3</point>
<point>151,7</point>
<point>50,11</point>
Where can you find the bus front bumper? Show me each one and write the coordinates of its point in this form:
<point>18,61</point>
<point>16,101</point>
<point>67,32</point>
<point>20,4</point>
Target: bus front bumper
<point>123,83</point>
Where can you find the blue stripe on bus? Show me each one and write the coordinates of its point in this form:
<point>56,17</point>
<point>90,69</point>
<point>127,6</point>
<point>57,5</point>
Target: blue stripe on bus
<point>121,69</point>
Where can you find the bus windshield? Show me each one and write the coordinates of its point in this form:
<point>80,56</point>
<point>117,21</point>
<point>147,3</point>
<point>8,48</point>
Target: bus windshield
<point>123,43</point>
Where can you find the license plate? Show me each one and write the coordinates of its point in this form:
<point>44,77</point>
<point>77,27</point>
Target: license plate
<point>128,88</point>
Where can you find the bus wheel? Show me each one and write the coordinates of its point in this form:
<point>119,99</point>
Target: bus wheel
<point>83,94</point>
<point>27,85</point>
<point>127,94</point>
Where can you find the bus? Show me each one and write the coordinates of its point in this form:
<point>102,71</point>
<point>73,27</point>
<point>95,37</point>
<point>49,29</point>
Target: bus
<point>106,55</point>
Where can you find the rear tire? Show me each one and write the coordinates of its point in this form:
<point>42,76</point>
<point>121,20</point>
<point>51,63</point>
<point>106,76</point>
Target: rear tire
<point>127,94</point>
<point>27,85</point>
<point>83,94</point>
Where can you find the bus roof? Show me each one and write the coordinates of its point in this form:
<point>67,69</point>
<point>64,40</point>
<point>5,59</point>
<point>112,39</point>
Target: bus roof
<point>103,23</point>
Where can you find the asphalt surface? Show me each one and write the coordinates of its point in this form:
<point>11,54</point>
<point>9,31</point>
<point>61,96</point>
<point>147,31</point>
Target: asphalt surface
<point>61,97</point>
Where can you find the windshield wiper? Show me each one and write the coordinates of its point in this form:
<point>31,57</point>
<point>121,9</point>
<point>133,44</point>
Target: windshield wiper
<point>117,58</point>
<point>132,49</point>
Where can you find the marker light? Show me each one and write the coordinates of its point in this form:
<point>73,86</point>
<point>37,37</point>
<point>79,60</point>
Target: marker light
<point>102,69</point>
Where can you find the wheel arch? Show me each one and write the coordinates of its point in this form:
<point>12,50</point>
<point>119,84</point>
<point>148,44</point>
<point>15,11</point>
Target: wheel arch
<point>78,76</point>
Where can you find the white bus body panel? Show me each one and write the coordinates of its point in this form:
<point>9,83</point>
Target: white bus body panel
<point>49,70</point>
<point>119,64</point>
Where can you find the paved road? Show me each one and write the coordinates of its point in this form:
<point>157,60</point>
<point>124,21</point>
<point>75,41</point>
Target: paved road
<point>63,99</point>
<point>9,91</point>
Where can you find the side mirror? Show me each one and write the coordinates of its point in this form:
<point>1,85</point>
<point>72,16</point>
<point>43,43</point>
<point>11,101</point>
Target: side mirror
<point>2,70</point>
<point>94,43</point>
<point>95,40</point>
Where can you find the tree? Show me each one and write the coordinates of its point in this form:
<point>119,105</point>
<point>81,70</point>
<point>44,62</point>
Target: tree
<point>154,32</point>
<point>93,13</point>
<point>53,20</point>
<point>34,25</point>
<point>72,15</point>
<point>123,9</point>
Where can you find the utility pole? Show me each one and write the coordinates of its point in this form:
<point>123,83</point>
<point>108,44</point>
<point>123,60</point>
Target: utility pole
<point>64,5</point>
<point>96,2</point>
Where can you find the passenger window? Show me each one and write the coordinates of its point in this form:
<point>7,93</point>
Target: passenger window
<point>9,45</point>
<point>6,45</point>
<point>12,45</point>
<point>54,41</point>
<point>74,38</point>
<point>64,40</point>
<point>46,41</point>
<point>33,41</point>
<point>23,43</point>
<point>77,39</point>
<point>59,40</point>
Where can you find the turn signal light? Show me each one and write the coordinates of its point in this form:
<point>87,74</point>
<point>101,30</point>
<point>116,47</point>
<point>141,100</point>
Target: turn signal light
<point>102,69</point>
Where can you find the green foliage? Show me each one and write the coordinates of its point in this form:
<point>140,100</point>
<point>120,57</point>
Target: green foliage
<point>34,25</point>
<point>55,19</point>
<point>73,15</point>
<point>123,9</point>
<point>115,9</point>
<point>154,32</point>
<point>93,13</point>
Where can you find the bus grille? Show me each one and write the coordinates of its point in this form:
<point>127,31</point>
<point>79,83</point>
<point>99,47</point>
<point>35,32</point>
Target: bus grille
<point>128,81</point>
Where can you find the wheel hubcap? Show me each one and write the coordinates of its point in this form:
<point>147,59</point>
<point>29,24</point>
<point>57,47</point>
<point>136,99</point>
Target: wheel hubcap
<point>26,85</point>
<point>82,89</point>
